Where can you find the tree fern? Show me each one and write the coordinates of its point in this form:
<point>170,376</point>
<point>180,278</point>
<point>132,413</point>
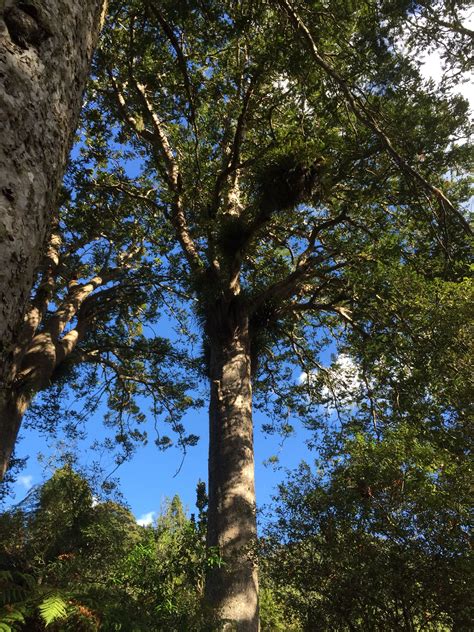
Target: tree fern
<point>20,596</point>
<point>14,590</point>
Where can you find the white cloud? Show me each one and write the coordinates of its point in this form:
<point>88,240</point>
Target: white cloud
<point>343,379</point>
<point>432,69</point>
<point>25,481</point>
<point>146,519</point>
<point>302,378</point>
<point>346,373</point>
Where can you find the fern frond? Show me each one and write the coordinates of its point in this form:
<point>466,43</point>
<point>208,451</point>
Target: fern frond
<point>52,608</point>
<point>9,615</point>
<point>14,587</point>
<point>5,576</point>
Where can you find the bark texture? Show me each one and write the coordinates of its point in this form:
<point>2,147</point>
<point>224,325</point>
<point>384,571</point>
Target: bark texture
<point>58,319</point>
<point>40,351</point>
<point>45,53</point>
<point>233,588</point>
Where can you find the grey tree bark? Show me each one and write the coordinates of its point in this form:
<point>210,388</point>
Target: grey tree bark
<point>45,53</point>
<point>232,589</point>
<point>39,354</point>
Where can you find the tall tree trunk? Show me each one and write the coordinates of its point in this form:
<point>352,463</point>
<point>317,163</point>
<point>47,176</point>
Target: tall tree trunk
<point>12,410</point>
<point>45,53</point>
<point>232,589</point>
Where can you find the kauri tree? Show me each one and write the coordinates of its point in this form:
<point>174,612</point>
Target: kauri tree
<point>284,171</point>
<point>288,159</point>
<point>46,49</point>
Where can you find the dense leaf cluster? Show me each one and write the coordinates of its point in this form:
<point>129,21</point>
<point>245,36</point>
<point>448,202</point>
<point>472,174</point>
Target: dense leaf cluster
<point>286,162</point>
<point>72,562</point>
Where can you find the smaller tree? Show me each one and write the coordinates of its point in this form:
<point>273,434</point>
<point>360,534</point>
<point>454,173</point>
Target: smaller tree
<point>375,536</point>
<point>83,334</point>
<point>87,565</point>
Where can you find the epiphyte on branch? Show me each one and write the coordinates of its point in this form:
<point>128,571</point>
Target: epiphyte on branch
<point>287,181</point>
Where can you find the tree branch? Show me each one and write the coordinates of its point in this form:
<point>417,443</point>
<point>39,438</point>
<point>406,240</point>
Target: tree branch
<point>160,136</point>
<point>40,301</point>
<point>181,61</point>
<point>285,288</point>
<point>365,116</point>
<point>128,118</point>
<point>174,180</point>
<point>231,163</point>
<point>456,27</point>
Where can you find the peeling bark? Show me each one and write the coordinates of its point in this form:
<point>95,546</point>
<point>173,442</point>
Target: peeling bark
<point>232,589</point>
<point>45,52</point>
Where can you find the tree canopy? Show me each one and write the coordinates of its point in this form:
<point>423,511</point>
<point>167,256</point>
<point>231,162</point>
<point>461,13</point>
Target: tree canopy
<point>280,178</point>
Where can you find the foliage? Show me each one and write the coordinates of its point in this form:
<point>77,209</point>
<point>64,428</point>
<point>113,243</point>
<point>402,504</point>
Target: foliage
<point>434,26</point>
<point>76,564</point>
<point>279,187</point>
<point>15,466</point>
<point>355,555</point>
<point>274,615</point>
<point>52,608</point>
<point>27,605</point>
<point>286,161</point>
<point>90,340</point>
<point>376,534</point>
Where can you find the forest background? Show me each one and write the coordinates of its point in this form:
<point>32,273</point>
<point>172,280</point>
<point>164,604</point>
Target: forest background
<point>387,418</point>
<point>178,476</point>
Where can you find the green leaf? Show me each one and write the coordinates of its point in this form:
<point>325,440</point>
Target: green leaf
<point>9,615</point>
<point>52,608</point>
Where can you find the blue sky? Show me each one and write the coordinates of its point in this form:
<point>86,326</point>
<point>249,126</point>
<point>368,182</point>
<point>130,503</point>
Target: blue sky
<point>152,475</point>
